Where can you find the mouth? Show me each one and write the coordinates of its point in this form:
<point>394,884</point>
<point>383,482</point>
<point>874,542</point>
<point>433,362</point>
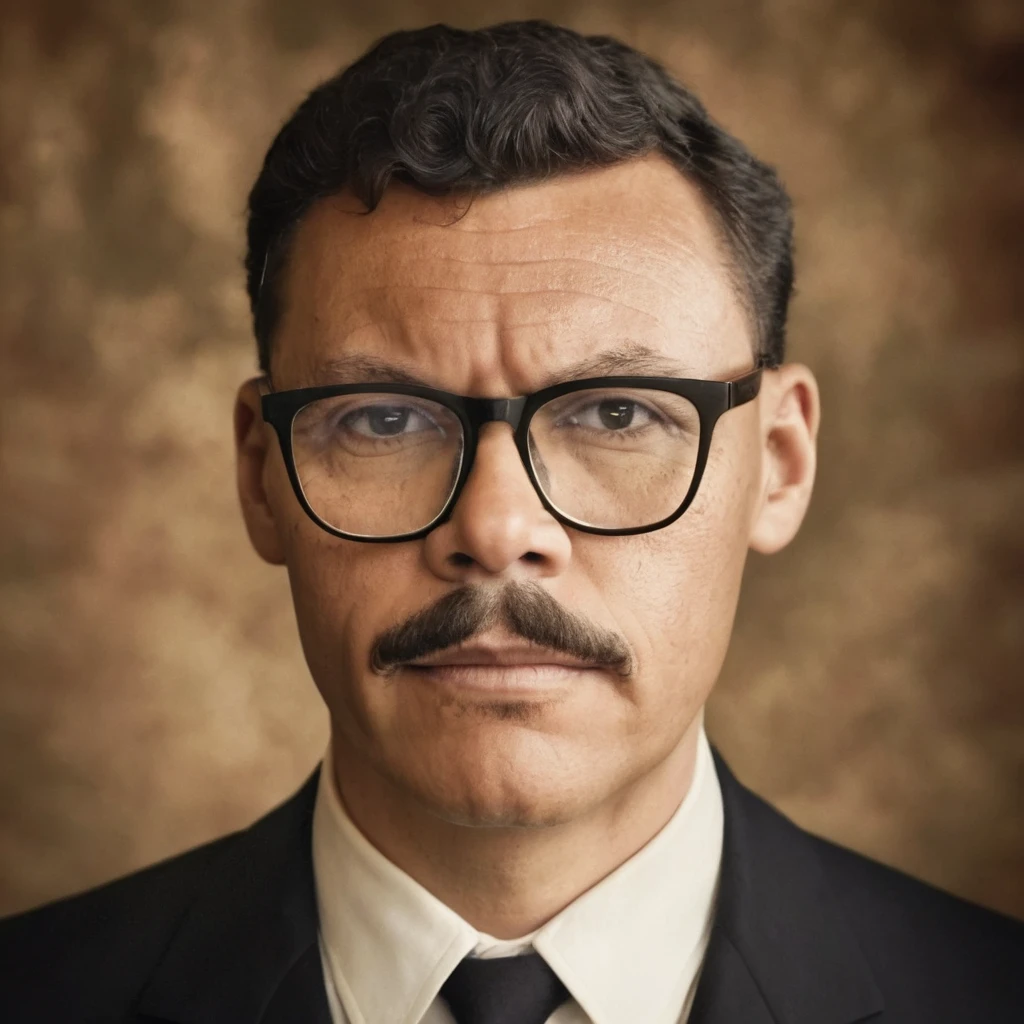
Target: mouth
<point>491,679</point>
<point>496,664</point>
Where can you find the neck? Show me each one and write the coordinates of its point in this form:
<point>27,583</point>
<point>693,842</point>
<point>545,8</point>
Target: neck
<point>507,882</point>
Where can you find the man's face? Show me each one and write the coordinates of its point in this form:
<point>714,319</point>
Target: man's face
<point>531,280</point>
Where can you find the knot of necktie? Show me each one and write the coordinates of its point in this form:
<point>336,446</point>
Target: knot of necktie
<point>503,990</point>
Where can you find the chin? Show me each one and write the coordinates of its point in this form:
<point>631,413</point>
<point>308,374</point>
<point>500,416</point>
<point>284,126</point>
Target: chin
<point>498,792</point>
<point>484,813</point>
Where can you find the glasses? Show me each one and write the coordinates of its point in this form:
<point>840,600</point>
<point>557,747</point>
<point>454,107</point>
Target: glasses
<point>606,455</point>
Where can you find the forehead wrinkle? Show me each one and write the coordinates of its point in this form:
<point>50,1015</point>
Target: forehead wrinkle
<point>554,328</point>
<point>546,293</point>
<point>399,304</point>
<point>396,244</point>
<point>693,290</point>
<point>630,288</point>
<point>596,206</point>
<point>353,329</point>
<point>614,263</point>
<point>593,248</point>
<point>654,281</point>
<point>533,338</point>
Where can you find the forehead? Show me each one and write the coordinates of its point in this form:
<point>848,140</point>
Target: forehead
<point>523,282</point>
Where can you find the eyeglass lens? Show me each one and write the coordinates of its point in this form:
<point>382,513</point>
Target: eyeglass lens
<point>381,464</point>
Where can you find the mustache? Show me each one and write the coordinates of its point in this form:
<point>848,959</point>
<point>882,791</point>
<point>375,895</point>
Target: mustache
<point>524,608</point>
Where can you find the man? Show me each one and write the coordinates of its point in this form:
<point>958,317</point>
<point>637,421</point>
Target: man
<point>520,310</point>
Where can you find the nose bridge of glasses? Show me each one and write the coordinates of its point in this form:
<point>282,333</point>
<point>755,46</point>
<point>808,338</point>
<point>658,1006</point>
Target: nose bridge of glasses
<point>485,411</point>
<point>497,410</point>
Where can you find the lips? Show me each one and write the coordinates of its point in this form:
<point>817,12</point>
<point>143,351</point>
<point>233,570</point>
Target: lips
<point>491,657</point>
<point>515,681</point>
<point>497,666</point>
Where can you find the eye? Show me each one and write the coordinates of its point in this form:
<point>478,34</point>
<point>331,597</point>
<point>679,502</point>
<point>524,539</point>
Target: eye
<point>387,420</point>
<point>613,413</point>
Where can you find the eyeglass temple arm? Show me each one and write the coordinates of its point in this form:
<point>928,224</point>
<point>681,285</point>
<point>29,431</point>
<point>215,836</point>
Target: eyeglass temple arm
<point>745,388</point>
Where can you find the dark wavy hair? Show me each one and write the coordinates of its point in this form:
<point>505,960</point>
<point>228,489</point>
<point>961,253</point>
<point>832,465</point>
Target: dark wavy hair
<point>450,111</point>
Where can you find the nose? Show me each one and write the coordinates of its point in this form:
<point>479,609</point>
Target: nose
<point>499,527</point>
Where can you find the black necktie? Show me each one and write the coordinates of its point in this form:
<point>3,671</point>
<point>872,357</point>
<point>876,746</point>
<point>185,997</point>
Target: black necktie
<point>503,990</point>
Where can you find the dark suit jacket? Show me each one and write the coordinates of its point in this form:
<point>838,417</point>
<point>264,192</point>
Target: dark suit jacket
<point>806,933</point>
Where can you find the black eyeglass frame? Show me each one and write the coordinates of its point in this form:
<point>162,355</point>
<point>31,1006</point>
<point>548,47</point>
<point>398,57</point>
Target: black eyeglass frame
<point>711,398</point>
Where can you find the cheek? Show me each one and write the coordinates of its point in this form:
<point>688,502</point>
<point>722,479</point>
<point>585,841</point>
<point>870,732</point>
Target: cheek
<point>674,593</point>
<point>669,609</point>
<point>340,605</point>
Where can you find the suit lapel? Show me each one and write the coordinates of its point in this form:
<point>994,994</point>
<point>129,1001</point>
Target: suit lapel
<point>247,949</point>
<point>727,991</point>
<point>780,950</point>
<point>300,996</point>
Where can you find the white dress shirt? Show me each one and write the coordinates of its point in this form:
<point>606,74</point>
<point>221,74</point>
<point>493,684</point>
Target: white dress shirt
<point>629,949</point>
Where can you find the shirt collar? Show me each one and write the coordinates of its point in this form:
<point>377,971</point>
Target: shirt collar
<point>628,949</point>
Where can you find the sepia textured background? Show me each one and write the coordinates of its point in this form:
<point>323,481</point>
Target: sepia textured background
<point>153,693</point>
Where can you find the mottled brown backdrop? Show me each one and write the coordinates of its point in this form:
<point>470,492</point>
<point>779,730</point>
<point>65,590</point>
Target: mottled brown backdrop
<point>153,693</point>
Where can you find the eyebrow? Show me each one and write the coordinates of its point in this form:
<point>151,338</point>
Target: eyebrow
<point>630,360</point>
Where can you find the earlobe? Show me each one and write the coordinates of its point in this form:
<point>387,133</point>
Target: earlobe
<point>791,410</point>
<point>252,455</point>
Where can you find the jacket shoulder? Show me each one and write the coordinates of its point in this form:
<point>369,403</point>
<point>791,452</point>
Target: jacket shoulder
<point>92,950</point>
<point>927,947</point>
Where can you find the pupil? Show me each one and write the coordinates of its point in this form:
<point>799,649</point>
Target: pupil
<point>387,420</point>
<point>616,413</point>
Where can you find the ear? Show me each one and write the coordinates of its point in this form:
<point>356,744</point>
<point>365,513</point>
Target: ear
<point>790,414</point>
<point>254,447</point>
